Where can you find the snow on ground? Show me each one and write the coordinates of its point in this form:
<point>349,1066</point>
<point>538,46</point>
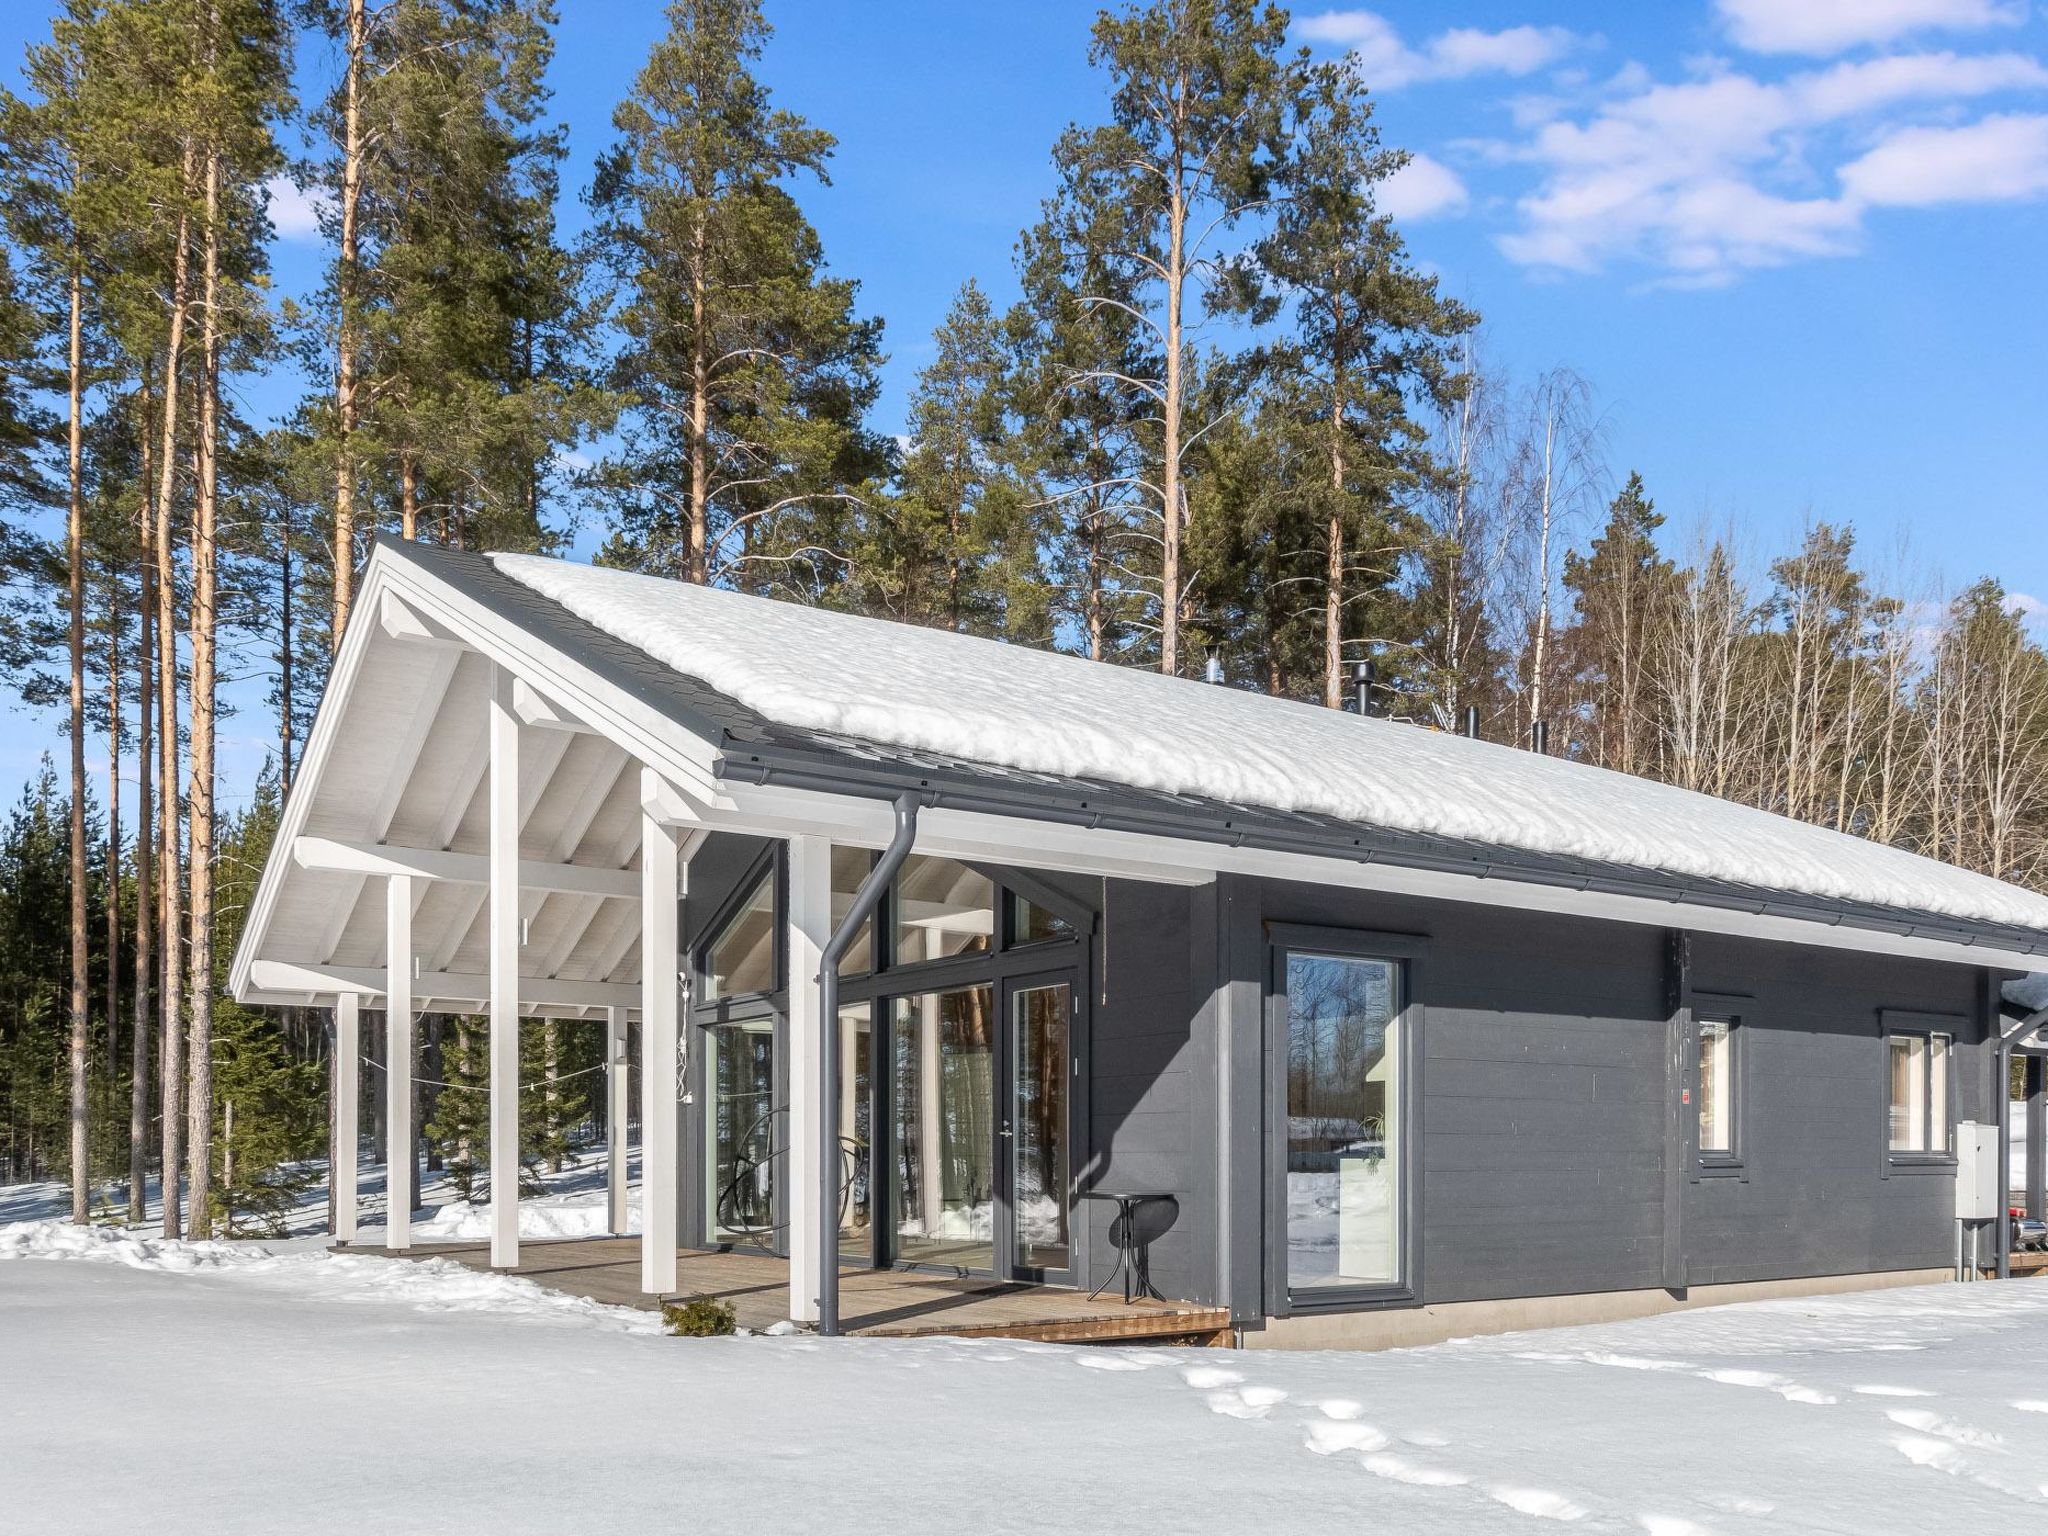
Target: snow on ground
<point>572,1205</point>
<point>276,1388</point>
<point>1015,707</point>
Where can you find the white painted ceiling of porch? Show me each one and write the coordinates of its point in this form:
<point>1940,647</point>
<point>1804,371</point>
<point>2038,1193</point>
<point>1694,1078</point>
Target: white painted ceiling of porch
<point>409,766</point>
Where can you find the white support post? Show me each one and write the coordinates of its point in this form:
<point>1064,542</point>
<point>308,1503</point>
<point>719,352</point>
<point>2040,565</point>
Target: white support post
<point>504,974</point>
<point>810,925</point>
<point>348,1047</point>
<point>617,1078</point>
<point>660,1094</point>
<point>398,1161</point>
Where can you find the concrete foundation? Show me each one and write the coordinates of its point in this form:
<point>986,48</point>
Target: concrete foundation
<point>1407,1327</point>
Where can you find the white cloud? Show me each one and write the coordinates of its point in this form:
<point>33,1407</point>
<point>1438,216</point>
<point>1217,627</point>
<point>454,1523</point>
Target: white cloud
<point>1387,62</point>
<point>294,213</point>
<point>1821,27</point>
<point>1424,188</point>
<point>1997,160</point>
<point>1726,172</point>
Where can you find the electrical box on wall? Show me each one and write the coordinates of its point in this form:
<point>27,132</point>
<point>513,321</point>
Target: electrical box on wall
<point>1979,1195</point>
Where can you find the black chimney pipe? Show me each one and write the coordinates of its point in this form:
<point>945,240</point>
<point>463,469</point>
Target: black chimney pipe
<point>1361,686</point>
<point>1539,737</point>
<point>1472,721</point>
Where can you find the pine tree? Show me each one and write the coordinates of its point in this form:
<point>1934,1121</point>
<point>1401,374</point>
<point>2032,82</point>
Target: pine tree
<point>960,547</point>
<point>1197,98</point>
<point>1083,434</point>
<point>743,369</point>
<point>1372,338</point>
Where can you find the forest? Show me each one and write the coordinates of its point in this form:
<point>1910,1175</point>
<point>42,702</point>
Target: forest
<point>1223,423</point>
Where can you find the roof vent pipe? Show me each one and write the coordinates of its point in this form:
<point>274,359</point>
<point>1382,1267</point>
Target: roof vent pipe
<point>865,900</point>
<point>1362,676</point>
<point>1213,672</point>
<point>1539,736</point>
<point>1472,721</point>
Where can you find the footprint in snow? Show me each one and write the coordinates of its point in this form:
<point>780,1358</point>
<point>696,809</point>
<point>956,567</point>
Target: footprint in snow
<point>1938,1454</point>
<point>1395,1469</point>
<point>1110,1363</point>
<point>1246,1402</point>
<point>1881,1390</point>
<point>1202,1377</point>
<point>1539,1502</point>
<point>1635,1362</point>
<point>1340,1408</point>
<point>1922,1422</point>
<point>1331,1437</point>
<point>1791,1391</point>
<point>1671,1525</point>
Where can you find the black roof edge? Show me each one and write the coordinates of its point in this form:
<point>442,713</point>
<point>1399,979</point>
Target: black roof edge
<point>750,751</point>
<point>765,764</point>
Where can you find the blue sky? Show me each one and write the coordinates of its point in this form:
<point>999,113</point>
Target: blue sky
<point>1795,246</point>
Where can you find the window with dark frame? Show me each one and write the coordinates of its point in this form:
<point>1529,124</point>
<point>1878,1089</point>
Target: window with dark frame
<point>938,916</point>
<point>1917,1075</point>
<point>1716,1088</point>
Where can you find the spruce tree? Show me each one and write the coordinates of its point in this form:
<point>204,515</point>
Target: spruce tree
<point>1621,590</point>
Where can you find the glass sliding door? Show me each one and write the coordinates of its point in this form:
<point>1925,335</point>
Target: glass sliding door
<point>1345,1153</point>
<point>1041,1025</point>
<point>942,1057</point>
<point>740,1192</point>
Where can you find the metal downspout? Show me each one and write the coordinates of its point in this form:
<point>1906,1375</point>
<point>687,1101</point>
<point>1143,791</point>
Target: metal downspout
<point>865,900</point>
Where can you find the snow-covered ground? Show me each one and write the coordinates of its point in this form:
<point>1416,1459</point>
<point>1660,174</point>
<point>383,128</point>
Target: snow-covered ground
<point>233,1388</point>
<point>573,1204</point>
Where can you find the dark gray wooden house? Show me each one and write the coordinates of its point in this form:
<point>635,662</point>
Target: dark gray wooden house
<point>930,940</point>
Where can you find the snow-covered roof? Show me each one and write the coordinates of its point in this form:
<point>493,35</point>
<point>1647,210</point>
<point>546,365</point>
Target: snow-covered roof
<point>1032,711</point>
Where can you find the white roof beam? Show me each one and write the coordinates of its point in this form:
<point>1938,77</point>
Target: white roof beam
<point>367,859</point>
<point>462,990</point>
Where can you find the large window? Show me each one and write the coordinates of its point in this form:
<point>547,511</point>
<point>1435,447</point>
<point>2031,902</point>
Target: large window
<point>943,908</point>
<point>1917,1070</point>
<point>740,1128</point>
<point>1717,1088</point>
<point>1345,1154</point>
<point>741,959</point>
<point>943,1058</point>
<point>957,1038</point>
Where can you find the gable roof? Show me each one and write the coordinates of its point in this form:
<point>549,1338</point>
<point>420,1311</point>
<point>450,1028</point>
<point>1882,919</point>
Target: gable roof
<point>801,693</point>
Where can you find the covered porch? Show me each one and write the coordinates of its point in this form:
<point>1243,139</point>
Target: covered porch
<point>873,1303</point>
<point>498,818</point>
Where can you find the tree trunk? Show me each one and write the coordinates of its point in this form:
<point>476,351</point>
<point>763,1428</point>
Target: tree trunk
<point>284,657</point>
<point>74,549</point>
<point>1172,510</point>
<point>345,279</point>
<point>171,1010</point>
<point>408,496</point>
<point>205,557</point>
<point>1333,568</point>
<point>113,874</point>
<point>146,833</point>
<point>700,419</point>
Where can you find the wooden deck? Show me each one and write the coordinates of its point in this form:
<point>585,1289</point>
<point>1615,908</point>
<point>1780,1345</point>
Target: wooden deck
<point>874,1303</point>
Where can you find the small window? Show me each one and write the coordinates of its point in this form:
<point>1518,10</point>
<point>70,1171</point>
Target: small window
<point>1919,1117</point>
<point>943,908</point>
<point>1717,1088</point>
<point>1032,924</point>
<point>742,958</point>
<point>850,867</point>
